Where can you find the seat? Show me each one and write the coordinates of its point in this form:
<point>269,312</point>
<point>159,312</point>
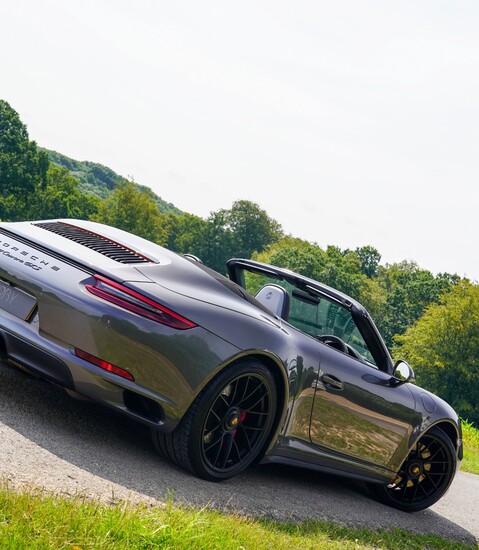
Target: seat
<point>275,298</point>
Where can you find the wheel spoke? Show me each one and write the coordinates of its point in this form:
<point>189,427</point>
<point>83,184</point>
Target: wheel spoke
<point>256,403</point>
<point>258,413</point>
<point>235,390</point>
<point>225,451</point>
<point>432,456</point>
<point>225,401</point>
<point>244,390</point>
<point>417,487</point>
<point>252,428</point>
<point>213,444</point>
<point>404,487</point>
<point>209,436</point>
<point>238,454</point>
<point>429,478</point>
<point>218,418</point>
<point>253,391</point>
<point>219,454</point>
<point>245,436</point>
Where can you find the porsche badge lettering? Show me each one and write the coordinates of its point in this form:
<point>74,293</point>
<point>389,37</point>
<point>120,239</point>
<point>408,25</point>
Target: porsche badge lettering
<point>25,257</point>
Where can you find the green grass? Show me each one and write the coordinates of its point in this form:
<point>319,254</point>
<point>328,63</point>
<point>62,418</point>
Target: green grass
<point>29,519</point>
<point>470,436</point>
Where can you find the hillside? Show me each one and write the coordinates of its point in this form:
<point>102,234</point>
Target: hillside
<point>98,180</point>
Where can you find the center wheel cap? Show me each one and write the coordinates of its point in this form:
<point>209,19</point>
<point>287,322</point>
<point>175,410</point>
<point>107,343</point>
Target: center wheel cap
<point>415,469</point>
<point>232,419</point>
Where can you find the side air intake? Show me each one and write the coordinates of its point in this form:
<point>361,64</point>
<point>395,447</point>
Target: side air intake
<point>102,245</point>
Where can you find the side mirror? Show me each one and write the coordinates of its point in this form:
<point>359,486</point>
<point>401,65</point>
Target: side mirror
<point>402,373</point>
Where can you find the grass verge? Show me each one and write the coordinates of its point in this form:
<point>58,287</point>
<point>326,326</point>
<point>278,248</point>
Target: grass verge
<point>30,519</point>
<point>470,436</point>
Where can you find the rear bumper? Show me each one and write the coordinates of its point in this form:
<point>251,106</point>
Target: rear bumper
<point>63,368</point>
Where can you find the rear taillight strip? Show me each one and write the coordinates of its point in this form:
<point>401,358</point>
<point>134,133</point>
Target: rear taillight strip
<point>135,302</point>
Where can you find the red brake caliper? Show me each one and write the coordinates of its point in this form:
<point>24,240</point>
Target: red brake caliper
<point>242,417</point>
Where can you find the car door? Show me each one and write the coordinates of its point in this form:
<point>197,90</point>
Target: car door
<point>356,413</point>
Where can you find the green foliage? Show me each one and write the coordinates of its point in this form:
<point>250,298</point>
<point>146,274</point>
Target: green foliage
<point>443,348</point>
<point>23,167</point>
<point>251,228</point>
<point>343,271</point>
<point>369,258</point>
<point>94,179</point>
<point>470,438</point>
<point>403,294</point>
<point>100,181</point>
<point>374,298</point>
<point>61,198</point>
<point>220,242</point>
<point>207,239</point>
<point>295,254</point>
<point>226,233</point>
<point>185,233</point>
<point>134,210</point>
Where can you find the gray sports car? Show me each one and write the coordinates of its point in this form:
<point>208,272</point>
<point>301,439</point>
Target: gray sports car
<point>263,365</point>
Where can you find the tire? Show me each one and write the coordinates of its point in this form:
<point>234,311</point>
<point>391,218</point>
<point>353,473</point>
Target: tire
<point>227,427</point>
<point>425,475</point>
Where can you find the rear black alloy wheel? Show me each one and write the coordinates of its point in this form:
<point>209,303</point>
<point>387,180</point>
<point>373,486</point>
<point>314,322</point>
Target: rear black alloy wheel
<point>237,423</point>
<point>424,476</point>
<point>228,426</point>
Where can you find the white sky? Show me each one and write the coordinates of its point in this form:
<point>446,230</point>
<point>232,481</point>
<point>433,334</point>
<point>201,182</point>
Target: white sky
<point>350,122</point>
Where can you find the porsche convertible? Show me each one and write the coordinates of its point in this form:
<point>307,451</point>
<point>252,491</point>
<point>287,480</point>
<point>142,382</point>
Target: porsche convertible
<point>264,365</point>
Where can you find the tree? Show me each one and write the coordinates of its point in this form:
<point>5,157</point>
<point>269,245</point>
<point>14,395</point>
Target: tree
<point>251,227</point>
<point>342,270</point>
<point>409,290</point>
<point>22,167</point>
<point>220,243</point>
<point>295,254</point>
<point>134,210</point>
<point>207,239</point>
<point>369,258</point>
<point>443,348</point>
<point>186,234</point>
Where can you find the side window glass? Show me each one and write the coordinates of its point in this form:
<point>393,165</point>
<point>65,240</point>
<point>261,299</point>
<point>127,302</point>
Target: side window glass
<point>320,317</point>
<point>316,316</point>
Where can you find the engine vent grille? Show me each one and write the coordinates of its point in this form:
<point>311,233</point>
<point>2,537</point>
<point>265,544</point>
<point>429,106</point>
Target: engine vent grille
<point>107,247</point>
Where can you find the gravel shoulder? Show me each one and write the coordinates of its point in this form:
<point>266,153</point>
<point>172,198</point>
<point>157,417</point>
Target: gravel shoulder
<point>51,441</point>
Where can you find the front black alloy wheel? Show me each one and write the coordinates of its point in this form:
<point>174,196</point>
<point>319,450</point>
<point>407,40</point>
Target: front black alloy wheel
<point>228,425</point>
<point>425,475</point>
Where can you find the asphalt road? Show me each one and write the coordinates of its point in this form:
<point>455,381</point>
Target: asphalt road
<point>49,440</point>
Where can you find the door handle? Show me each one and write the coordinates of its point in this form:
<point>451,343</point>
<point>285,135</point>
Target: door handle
<point>332,382</point>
